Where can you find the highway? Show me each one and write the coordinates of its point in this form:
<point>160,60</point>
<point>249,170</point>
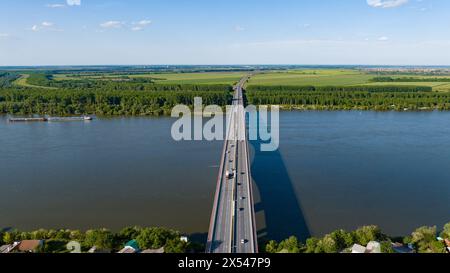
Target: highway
<point>232,226</point>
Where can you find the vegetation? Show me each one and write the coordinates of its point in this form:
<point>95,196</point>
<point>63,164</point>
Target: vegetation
<point>409,79</point>
<point>106,101</point>
<point>212,78</point>
<point>370,89</point>
<point>123,83</point>
<point>139,93</point>
<point>320,77</point>
<point>424,240</point>
<point>354,100</point>
<point>154,238</point>
<point>350,77</point>
<point>55,241</point>
<point>6,79</point>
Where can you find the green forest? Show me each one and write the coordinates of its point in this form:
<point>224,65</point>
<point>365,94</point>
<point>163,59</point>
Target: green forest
<point>354,100</point>
<point>102,101</point>
<point>356,88</point>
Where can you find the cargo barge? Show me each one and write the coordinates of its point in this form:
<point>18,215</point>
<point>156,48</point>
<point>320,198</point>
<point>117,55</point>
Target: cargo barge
<point>49,119</point>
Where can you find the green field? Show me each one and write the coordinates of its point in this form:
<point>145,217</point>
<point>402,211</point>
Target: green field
<point>318,77</point>
<point>336,77</point>
<point>311,77</point>
<point>22,81</point>
<point>172,78</point>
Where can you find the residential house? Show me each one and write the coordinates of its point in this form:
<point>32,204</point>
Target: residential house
<point>154,251</point>
<point>28,246</point>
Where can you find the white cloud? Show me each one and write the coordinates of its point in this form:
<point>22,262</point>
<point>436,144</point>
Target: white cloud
<point>74,2</point>
<point>386,3</point>
<point>55,6</point>
<point>4,35</point>
<point>112,24</point>
<point>383,39</point>
<point>45,26</point>
<point>144,22</point>
<point>140,25</point>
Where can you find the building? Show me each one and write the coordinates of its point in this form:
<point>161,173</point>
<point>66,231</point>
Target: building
<point>28,246</point>
<point>359,249</point>
<point>372,247</point>
<point>127,250</point>
<point>402,249</point>
<point>94,249</point>
<point>131,247</point>
<point>154,251</point>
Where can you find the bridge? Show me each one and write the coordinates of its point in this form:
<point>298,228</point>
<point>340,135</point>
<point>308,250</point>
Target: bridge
<point>232,227</point>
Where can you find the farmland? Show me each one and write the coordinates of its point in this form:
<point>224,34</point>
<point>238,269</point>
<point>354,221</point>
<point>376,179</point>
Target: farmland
<point>165,78</point>
<point>340,77</point>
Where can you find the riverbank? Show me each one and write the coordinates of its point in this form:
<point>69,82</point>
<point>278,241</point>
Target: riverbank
<point>163,240</point>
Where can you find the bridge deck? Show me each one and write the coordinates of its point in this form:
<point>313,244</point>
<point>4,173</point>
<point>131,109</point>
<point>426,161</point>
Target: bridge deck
<point>232,227</point>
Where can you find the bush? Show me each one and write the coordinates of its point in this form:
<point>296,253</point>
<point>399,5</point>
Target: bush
<point>153,238</point>
<point>425,241</point>
<point>366,234</point>
<point>446,232</point>
<point>101,238</point>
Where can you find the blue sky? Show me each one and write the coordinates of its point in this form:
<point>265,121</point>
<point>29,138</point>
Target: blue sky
<point>87,32</point>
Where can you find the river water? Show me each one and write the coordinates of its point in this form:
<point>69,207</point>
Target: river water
<point>333,170</point>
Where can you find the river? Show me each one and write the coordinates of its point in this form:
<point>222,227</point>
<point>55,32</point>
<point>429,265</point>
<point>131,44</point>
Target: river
<point>333,170</point>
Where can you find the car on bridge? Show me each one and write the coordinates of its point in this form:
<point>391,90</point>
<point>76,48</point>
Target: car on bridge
<point>229,175</point>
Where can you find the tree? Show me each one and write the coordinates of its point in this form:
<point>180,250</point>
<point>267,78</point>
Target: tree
<point>342,239</point>
<point>446,232</point>
<point>155,237</point>
<point>366,234</point>
<point>272,247</point>
<point>312,245</point>
<point>329,245</point>
<point>101,238</point>
<point>176,246</point>
<point>9,237</point>
<point>386,247</point>
<point>129,233</point>
<point>425,241</point>
<point>290,245</point>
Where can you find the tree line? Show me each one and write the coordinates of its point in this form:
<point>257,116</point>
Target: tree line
<point>408,79</point>
<point>24,101</point>
<point>355,88</point>
<point>357,100</point>
<point>423,240</point>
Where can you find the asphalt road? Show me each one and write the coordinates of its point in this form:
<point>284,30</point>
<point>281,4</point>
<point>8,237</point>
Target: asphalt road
<point>232,228</point>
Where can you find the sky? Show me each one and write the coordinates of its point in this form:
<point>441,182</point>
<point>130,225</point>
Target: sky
<point>146,32</point>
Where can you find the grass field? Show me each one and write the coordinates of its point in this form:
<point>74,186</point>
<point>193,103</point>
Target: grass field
<point>309,77</point>
<point>22,81</point>
<point>175,78</point>
<point>328,77</point>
